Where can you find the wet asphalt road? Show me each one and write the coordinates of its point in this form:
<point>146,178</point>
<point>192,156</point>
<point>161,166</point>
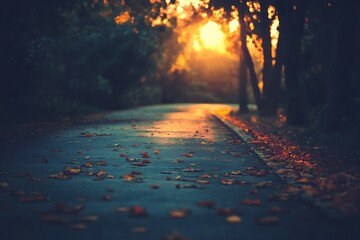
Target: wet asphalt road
<point>195,165</point>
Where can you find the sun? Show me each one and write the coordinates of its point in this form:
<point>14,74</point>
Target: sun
<point>212,37</point>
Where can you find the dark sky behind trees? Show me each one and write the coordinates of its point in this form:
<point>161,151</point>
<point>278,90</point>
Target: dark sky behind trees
<point>65,57</point>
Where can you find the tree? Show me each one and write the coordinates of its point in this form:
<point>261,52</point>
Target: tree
<point>341,97</point>
<point>292,19</point>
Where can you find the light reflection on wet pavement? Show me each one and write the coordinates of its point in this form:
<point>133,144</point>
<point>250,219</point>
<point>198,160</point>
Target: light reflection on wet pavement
<point>193,164</point>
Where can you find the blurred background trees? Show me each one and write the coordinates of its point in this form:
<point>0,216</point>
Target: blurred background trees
<point>67,57</point>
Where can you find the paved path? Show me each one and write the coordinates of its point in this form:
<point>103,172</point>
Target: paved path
<point>195,165</point>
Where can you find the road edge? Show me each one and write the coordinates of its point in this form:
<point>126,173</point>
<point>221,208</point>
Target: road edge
<point>246,138</point>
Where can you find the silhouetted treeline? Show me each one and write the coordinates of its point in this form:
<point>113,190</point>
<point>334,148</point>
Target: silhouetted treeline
<point>70,57</point>
<point>316,62</point>
<point>64,57</point>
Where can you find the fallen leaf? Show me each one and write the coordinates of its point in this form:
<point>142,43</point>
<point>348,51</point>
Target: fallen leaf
<point>65,208</point>
<point>138,211</point>
<point>236,173</point>
<point>72,170</point>
<point>78,226</point>
<point>202,181</point>
<point>253,202</point>
<point>258,173</point>
<point>101,173</point>
<point>264,184</point>
<point>227,181</point>
<point>88,164</point>
<point>34,199</point>
<point>53,219</point>
<point>205,176</point>
<point>189,169</point>
<point>122,209</point>
<point>292,189</point>
<point>18,193</point>
<point>233,219</point>
<point>303,180</point>
<point>267,220</point>
<point>60,176</point>
<point>154,186</point>
<point>145,155</point>
<point>226,211</point>
<point>130,159</point>
<point>129,177</point>
<point>87,135</point>
<point>254,191</point>
<point>44,160</point>
<point>188,186</point>
<point>156,151</point>
<point>188,155</point>
<point>142,163</point>
<point>90,218</point>
<point>178,160</point>
<point>106,198</point>
<point>206,204</point>
<point>102,163</point>
<point>276,210</point>
<point>181,213</point>
<point>138,230</point>
<point>309,190</point>
<point>175,236</point>
<point>282,171</point>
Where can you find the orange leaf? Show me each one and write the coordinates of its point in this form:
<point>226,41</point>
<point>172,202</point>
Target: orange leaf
<point>72,171</point>
<point>129,177</point>
<point>227,181</point>
<point>226,211</point>
<point>179,213</point>
<point>102,163</point>
<point>254,202</point>
<point>188,155</point>
<point>101,173</point>
<point>138,211</point>
<point>145,155</point>
<point>136,173</point>
<point>276,210</point>
<point>206,204</point>
<point>155,186</point>
<point>233,219</point>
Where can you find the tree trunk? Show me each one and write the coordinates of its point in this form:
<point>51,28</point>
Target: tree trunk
<point>267,71</point>
<point>293,21</point>
<point>248,59</point>
<point>277,74</point>
<point>243,79</point>
<point>339,94</point>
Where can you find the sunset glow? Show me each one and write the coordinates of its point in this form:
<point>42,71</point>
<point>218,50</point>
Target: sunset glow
<point>213,37</point>
<point>213,33</point>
